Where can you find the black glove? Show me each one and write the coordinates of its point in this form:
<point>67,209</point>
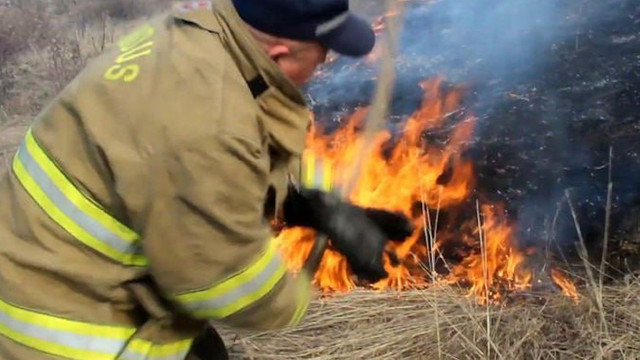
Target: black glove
<point>395,225</point>
<point>359,234</point>
<point>208,346</point>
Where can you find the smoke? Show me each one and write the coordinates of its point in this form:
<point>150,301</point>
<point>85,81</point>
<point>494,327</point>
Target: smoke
<point>553,83</point>
<point>485,42</point>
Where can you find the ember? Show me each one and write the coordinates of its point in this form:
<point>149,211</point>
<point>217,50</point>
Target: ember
<point>432,184</point>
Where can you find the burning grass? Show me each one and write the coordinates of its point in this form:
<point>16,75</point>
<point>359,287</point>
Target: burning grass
<point>464,288</point>
<point>437,321</point>
<point>442,323</point>
<point>432,183</point>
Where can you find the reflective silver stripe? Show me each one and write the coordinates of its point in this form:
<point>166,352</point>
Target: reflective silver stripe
<point>133,355</point>
<point>89,224</point>
<point>332,24</point>
<point>235,294</point>
<point>318,176</point>
<point>141,349</point>
<point>61,337</point>
<point>79,340</point>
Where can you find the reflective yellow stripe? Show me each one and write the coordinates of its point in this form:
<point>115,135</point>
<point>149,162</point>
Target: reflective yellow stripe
<point>304,299</point>
<point>62,337</point>
<point>316,173</point>
<point>140,349</point>
<point>81,341</point>
<point>327,178</point>
<point>238,291</point>
<point>76,197</point>
<point>308,173</point>
<point>52,348</point>
<point>71,209</point>
<point>110,331</point>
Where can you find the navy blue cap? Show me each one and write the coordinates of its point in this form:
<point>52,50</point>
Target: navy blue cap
<point>328,22</point>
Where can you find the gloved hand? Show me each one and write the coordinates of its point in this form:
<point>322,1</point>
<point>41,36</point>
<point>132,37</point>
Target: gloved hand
<point>395,225</point>
<point>359,234</point>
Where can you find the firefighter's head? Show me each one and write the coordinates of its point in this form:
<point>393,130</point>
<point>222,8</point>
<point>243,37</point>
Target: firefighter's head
<point>297,34</point>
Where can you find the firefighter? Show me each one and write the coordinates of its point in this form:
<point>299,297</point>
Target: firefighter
<point>136,212</point>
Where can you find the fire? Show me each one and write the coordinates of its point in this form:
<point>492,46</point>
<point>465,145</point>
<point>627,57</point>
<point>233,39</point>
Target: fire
<point>567,286</point>
<point>406,173</point>
<point>498,267</point>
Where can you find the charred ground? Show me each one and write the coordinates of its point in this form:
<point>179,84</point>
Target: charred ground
<point>555,86</point>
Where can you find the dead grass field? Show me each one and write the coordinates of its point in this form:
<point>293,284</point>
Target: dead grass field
<point>438,323</point>
<point>441,323</point>
<point>43,45</point>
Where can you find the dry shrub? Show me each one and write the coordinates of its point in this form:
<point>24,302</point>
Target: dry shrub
<point>87,12</point>
<point>41,72</point>
<point>116,9</point>
<point>43,47</point>
<point>441,323</point>
<point>63,60</point>
<point>21,27</point>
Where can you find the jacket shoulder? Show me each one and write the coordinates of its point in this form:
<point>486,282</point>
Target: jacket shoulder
<point>183,72</point>
<point>206,87</point>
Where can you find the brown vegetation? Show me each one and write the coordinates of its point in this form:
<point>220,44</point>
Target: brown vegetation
<point>440,323</point>
<point>43,44</point>
<point>19,29</point>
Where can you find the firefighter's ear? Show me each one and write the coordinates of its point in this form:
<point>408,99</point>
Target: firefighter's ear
<point>278,51</point>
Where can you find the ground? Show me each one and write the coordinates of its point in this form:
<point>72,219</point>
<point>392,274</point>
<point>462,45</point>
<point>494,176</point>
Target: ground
<point>434,323</point>
<point>42,47</point>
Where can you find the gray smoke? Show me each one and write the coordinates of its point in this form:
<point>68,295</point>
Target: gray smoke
<point>492,43</point>
<point>553,83</point>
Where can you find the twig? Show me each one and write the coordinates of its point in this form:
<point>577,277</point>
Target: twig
<point>430,238</point>
<point>4,116</point>
<point>582,249</point>
<point>605,242</point>
<point>485,274</point>
<point>553,232</point>
<point>435,234</point>
<point>428,235</point>
<point>607,220</point>
<point>385,85</point>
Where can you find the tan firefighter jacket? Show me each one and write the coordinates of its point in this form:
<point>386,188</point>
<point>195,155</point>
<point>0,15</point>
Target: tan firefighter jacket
<point>137,207</point>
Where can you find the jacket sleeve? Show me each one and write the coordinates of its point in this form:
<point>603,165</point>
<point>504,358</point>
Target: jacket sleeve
<point>209,247</point>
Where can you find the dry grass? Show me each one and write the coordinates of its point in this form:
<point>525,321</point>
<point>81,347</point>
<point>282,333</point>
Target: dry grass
<point>19,29</point>
<point>391,325</point>
<point>43,45</point>
<point>438,323</point>
<point>115,9</point>
<point>603,322</point>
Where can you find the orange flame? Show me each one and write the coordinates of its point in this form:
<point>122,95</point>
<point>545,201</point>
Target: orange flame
<point>498,266</point>
<point>567,286</point>
<point>411,172</point>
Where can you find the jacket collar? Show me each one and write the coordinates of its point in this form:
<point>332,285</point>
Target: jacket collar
<point>284,109</point>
